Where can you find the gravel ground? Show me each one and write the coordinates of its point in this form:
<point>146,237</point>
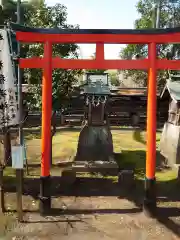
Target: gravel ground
<point>94,218</point>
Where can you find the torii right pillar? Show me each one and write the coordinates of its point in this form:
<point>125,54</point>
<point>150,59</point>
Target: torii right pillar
<point>150,181</point>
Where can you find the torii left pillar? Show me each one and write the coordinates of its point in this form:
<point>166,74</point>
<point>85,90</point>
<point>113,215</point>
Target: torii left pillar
<point>45,184</point>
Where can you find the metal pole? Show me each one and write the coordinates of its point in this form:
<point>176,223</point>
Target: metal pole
<point>20,100</point>
<point>174,11</point>
<point>19,172</point>
<point>154,11</point>
<point>156,18</point>
<point>158,13</point>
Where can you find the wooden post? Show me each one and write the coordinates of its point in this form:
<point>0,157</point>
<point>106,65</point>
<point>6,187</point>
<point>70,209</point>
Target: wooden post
<point>6,161</point>
<point>45,196</point>
<point>19,190</point>
<point>2,190</point>
<point>19,187</point>
<point>150,191</point>
<point>20,172</point>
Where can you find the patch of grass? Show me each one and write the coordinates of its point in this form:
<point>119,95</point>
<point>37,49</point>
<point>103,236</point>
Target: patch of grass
<point>165,176</point>
<point>9,171</point>
<point>130,144</point>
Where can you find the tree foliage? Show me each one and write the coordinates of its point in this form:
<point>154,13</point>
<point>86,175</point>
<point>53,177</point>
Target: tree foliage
<point>63,80</point>
<point>169,17</point>
<point>37,14</point>
<point>114,78</point>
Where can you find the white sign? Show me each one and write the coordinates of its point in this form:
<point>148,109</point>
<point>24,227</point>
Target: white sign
<point>8,102</point>
<point>103,79</point>
<point>17,153</point>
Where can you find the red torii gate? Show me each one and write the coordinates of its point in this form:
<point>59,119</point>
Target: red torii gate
<point>99,37</point>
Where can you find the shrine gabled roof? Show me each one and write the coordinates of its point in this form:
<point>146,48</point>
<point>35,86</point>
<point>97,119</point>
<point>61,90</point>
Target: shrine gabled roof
<point>172,85</point>
<point>173,88</point>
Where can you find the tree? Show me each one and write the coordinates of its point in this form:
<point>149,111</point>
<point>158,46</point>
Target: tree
<point>63,80</point>
<point>37,14</point>
<point>145,10</point>
<point>8,10</point>
<point>114,79</point>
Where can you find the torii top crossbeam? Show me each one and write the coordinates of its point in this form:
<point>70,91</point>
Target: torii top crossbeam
<point>99,37</point>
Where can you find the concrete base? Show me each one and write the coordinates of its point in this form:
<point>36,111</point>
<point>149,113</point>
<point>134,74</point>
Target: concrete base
<point>68,176</point>
<point>45,195</point>
<point>126,178</point>
<point>104,167</point>
<point>150,202</point>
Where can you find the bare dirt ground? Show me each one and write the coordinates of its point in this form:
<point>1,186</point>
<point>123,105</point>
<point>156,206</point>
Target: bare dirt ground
<point>93,209</point>
<point>107,225</point>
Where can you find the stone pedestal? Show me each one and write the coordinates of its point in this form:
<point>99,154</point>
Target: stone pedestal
<point>102,167</point>
<point>68,176</point>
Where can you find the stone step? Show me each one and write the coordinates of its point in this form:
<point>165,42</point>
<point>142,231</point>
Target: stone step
<point>97,166</point>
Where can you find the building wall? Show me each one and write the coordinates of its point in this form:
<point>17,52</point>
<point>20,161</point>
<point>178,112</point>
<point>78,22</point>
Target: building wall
<point>127,82</point>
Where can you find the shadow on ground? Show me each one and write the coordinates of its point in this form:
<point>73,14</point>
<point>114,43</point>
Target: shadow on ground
<point>85,187</point>
<point>136,159</point>
<point>167,191</point>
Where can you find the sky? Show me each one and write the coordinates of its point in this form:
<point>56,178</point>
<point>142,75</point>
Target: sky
<point>100,14</point>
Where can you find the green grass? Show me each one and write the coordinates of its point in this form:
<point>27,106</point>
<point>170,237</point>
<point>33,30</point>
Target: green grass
<point>131,145</point>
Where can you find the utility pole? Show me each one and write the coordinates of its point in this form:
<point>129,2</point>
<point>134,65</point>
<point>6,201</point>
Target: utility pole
<point>158,13</point>
<point>19,172</point>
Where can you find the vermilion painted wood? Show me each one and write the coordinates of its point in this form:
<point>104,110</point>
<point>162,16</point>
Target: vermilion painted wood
<point>34,62</point>
<point>99,52</point>
<point>86,64</point>
<point>151,115</point>
<point>104,64</point>
<point>168,64</point>
<point>46,111</point>
<point>28,37</point>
